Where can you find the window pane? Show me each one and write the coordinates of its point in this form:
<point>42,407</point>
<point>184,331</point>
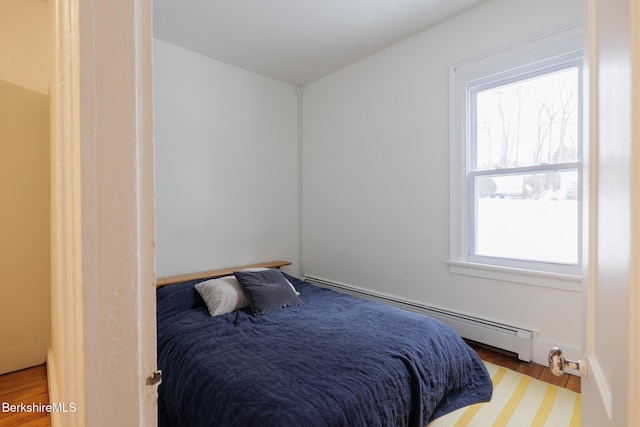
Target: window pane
<point>528,217</point>
<point>528,123</point>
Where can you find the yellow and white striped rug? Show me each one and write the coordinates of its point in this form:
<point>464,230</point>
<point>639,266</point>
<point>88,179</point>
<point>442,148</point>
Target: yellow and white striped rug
<point>518,400</point>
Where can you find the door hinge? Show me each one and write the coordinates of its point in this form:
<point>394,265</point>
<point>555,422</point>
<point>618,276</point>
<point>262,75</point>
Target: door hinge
<point>154,378</point>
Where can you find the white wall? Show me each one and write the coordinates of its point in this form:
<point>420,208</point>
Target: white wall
<point>24,44</point>
<point>24,227</point>
<point>24,184</point>
<point>226,144</point>
<point>375,161</point>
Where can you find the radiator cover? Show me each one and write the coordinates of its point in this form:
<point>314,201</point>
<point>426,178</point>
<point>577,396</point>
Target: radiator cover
<point>495,334</point>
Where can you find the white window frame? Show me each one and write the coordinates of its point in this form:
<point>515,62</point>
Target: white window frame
<point>538,55</point>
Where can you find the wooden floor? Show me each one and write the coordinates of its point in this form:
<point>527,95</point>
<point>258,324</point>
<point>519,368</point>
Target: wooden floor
<point>30,385</point>
<point>510,360</point>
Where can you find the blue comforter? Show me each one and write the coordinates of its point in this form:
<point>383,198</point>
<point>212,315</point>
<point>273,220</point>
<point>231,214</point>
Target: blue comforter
<point>335,360</point>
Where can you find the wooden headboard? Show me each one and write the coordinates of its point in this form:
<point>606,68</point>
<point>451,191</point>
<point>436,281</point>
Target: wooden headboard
<point>210,274</point>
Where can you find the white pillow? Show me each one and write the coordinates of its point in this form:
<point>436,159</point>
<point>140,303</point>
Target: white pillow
<point>263,269</point>
<point>222,295</point>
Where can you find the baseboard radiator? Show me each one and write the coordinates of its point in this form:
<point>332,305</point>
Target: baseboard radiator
<point>506,337</point>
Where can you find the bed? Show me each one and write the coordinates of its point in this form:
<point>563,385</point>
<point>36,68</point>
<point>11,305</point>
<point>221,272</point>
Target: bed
<point>330,360</point>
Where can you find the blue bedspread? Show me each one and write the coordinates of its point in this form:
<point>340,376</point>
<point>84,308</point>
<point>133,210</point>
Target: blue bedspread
<point>335,360</point>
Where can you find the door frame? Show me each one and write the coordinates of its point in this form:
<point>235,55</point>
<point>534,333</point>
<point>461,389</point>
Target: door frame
<point>634,300</point>
<point>103,344</point>
<point>612,386</point>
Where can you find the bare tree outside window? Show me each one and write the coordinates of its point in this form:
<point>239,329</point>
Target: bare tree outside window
<point>528,123</point>
<point>525,170</point>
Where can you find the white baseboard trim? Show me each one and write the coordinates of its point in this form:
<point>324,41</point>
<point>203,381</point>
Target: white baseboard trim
<point>508,337</point>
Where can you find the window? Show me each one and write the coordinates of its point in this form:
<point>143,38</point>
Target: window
<point>517,162</point>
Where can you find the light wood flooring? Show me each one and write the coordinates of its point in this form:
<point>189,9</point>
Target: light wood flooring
<point>30,385</point>
<point>26,386</point>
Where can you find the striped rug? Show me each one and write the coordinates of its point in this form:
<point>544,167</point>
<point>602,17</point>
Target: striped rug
<point>518,400</point>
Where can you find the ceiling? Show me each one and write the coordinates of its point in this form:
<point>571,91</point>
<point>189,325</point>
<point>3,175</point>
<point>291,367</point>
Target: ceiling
<point>296,41</point>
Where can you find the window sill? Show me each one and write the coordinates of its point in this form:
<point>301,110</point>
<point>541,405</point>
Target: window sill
<point>565,282</point>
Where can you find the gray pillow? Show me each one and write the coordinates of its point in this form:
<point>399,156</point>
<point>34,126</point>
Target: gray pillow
<point>263,269</point>
<point>266,290</point>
